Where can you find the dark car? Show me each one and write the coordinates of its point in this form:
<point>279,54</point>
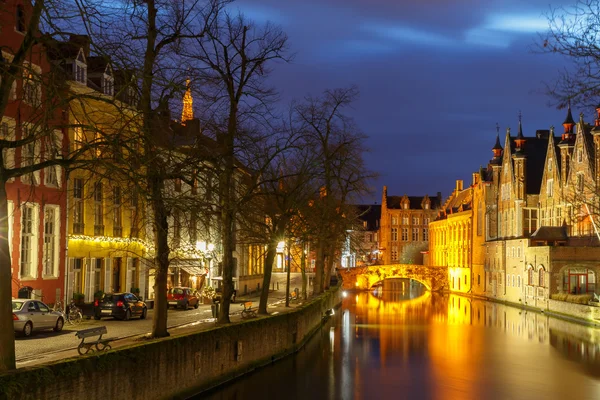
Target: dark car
<point>120,305</point>
<point>183,297</point>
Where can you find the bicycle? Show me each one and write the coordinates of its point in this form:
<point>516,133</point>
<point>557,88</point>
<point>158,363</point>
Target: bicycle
<point>74,316</point>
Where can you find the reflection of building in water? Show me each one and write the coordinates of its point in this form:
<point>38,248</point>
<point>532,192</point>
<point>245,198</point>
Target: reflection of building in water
<point>577,349</point>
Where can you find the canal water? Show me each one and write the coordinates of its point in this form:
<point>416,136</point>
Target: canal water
<point>412,344</point>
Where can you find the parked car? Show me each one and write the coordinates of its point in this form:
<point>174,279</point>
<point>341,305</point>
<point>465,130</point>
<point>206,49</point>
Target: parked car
<point>183,297</point>
<point>120,305</point>
<point>30,315</point>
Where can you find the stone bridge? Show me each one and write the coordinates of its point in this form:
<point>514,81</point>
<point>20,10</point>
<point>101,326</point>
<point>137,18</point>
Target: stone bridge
<point>363,278</point>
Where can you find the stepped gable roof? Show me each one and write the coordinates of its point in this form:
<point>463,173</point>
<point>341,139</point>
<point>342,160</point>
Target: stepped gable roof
<point>550,233</point>
<point>457,202</point>
<point>589,143</point>
<point>371,214</point>
<point>535,150</point>
<point>393,202</point>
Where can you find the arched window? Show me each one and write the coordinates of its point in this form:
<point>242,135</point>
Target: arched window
<point>530,277</point>
<point>541,277</point>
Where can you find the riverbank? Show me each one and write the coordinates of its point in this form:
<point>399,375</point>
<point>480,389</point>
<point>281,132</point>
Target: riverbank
<point>582,314</point>
<point>174,367</point>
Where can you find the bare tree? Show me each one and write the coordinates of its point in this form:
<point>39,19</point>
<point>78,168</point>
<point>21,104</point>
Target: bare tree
<point>143,39</point>
<point>574,33</point>
<point>342,176</point>
<point>232,60</point>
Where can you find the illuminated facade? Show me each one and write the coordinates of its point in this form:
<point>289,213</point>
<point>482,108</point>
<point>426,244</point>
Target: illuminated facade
<point>36,201</point>
<point>456,237</point>
<point>362,242</point>
<point>404,226</point>
<point>541,214</point>
<point>106,246</point>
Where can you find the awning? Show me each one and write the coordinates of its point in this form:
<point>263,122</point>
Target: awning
<point>194,270</point>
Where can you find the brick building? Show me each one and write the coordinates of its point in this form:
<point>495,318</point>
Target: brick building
<point>36,200</point>
<point>404,226</point>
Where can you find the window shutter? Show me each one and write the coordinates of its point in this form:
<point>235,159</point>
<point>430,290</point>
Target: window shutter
<point>93,276</point>
<point>70,280</point>
<point>142,275</point>
<point>107,275</point>
<point>129,272</point>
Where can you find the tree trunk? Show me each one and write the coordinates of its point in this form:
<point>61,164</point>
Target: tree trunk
<point>303,271</point>
<point>7,333</point>
<point>328,267</point>
<point>319,269</point>
<point>287,283</point>
<point>159,319</point>
<point>227,209</point>
<point>269,259</point>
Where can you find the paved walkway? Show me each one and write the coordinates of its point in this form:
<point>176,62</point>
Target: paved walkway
<point>47,347</point>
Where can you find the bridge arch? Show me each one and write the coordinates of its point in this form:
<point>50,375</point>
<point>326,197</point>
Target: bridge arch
<point>363,278</point>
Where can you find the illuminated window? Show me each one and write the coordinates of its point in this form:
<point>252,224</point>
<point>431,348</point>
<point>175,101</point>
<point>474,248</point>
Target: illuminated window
<point>28,240</point>
<point>549,187</point>
<point>404,234</point>
<point>415,234</point>
<point>98,210</point>
<point>117,215</point>
<point>394,234</point>
<point>580,182</point>
<point>51,240</point>
<point>78,225</point>
<point>394,220</point>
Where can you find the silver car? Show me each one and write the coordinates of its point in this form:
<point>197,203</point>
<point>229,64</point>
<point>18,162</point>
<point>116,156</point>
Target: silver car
<point>29,315</point>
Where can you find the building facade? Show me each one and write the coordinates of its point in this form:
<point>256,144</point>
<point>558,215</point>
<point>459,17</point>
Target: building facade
<point>404,226</point>
<point>36,200</point>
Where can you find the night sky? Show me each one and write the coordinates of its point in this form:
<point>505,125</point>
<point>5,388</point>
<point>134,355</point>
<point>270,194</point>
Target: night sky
<point>435,76</point>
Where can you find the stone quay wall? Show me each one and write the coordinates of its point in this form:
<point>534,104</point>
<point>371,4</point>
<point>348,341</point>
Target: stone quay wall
<point>175,367</point>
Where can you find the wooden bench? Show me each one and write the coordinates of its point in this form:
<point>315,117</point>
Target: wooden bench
<point>248,311</point>
<point>99,344</point>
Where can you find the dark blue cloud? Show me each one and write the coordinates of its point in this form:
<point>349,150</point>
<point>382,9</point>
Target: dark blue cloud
<point>434,75</point>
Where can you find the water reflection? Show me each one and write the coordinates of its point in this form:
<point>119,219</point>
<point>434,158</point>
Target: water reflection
<point>410,343</point>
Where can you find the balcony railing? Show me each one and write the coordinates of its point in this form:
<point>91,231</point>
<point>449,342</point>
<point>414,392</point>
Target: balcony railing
<point>98,230</point>
<point>78,228</point>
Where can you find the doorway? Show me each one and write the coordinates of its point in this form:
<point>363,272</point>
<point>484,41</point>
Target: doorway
<point>117,263</point>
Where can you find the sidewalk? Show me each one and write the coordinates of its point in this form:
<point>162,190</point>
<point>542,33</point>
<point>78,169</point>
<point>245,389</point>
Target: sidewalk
<point>276,306</point>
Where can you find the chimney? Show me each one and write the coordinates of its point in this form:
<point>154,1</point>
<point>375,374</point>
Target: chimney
<point>459,185</point>
<point>81,41</point>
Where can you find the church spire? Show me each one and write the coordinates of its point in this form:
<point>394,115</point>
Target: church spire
<point>568,124</point>
<point>188,110</point>
<point>520,140</point>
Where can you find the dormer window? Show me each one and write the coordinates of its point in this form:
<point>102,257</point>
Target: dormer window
<point>427,206</point>
<point>108,82</point>
<point>406,206</point>
<point>20,22</point>
<point>80,68</point>
<point>131,95</point>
